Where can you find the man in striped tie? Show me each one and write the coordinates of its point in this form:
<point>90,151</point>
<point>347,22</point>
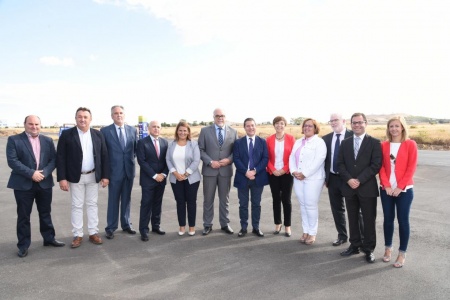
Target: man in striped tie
<point>359,161</point>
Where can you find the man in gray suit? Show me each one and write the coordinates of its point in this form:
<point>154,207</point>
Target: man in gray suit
<point>121,143</point>
<point>216,149</point>
<point>32,158</point>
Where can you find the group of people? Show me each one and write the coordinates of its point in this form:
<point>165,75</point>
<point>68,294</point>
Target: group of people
<point>344,161</point>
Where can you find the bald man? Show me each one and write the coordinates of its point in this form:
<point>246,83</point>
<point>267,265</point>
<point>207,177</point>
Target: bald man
<point>32,158</point>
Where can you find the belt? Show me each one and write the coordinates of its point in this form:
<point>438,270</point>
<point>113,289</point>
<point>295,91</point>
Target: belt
<point>334,174</point>
<point>88,172</point>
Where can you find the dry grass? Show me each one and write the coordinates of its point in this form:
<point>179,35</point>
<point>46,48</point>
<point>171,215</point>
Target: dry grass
<point>428,136</point>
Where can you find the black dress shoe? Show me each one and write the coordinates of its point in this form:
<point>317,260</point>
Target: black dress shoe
<point>110,235</point>
<point>242,232</point>
<point>207,230</point>
<point>128,230</point>
<point>22,252</point>
<point>158,231</point>
<point>339,242</point>
<point>144,237</point>
<point>227,229</point>
<point>370,258</point>
<point>258,232</point>
<point>54,243</point>
<point>350,251</point>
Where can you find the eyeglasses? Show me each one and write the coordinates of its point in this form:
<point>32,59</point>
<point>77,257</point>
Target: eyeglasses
<point>332,121</point>
<point>308,126</point>
<point>392,158</point>
<point>358,123</point>
<point>219,116</point>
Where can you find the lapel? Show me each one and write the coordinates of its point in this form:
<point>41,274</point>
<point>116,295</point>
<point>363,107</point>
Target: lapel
<point>28,145</point>
<point>76,138</point>
<point>43,150</point>
<point>214,136</point>
<point>113,132</point>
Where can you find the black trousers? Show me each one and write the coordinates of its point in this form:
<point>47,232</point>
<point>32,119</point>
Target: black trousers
<point>368,207</point>
<point>151,203</point>
<point>186,197</point>
<point>281,188</point>
<point>24,200</point>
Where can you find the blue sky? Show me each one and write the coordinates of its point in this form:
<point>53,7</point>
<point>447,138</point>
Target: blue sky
<point>180,59</point>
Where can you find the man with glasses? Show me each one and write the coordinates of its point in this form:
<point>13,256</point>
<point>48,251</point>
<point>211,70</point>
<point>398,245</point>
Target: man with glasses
<point>216,149</point>
<point>359,161</point>
<point>332,179</point>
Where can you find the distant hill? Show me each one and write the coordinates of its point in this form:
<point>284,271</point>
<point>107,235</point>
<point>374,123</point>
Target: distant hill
<point>410,119</point>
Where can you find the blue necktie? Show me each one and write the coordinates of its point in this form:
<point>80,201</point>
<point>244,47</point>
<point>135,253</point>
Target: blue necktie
<point>220,137</point>
<point>357,141</point>
<point>336,152</point>
<point>251,164</point>
<point>121,138</point>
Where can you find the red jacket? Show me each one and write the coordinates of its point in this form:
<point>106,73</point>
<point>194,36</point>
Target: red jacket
<point>289,141</point>
<point>405,164</point>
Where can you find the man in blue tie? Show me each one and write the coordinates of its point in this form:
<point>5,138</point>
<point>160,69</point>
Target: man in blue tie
<point>121,143</point>
<point>250,159</point>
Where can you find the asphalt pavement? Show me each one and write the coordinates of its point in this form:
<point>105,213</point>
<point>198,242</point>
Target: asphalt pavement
<point>222,266</point>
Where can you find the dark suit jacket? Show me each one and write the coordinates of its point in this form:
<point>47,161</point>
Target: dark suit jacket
<point>260,159</point>
<point>70,156</point>
<point>148,161</point>
<point>121,162</point>
<point>328,140</point>
<point>364,168</point>
<point>21,160</point>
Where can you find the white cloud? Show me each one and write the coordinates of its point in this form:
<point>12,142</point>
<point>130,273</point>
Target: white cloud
<point>56,61</point>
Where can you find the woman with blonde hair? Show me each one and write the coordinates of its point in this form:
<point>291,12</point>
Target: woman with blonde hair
<point>183,159</point>
<point>399,164</point>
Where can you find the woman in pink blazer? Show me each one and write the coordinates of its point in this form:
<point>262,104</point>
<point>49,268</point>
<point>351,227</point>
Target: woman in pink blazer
<point>396,180</point>
<point>279,146</point>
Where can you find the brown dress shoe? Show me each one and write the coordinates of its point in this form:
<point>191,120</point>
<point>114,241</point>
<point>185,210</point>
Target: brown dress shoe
<point>95,239</point>
<point>77,242</point>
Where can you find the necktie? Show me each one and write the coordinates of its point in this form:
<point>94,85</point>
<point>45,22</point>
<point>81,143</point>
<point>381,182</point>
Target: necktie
<point>251,164</point>
<point>156,147</point>
<point>336,152</point>
<point>121,138</point>
<point>220,137</point>
<point>357,141</point>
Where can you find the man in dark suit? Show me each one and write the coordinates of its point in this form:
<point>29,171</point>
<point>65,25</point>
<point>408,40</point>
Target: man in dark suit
<point>332,179</point>
<point>250,157</point>
<point>359,162</point>
<point>121,143</point>
<point>82,162</point>
<point>32,158</point>
<point>151,156</point>
<point>216,149</point>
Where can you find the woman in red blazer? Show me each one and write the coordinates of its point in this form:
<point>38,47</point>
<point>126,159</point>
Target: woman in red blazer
<point>280,146</point>
<point>396,179</point>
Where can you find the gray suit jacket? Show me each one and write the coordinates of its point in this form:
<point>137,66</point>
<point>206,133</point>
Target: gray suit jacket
<point>210,150</point>
<point>192,161</point>
<point>121,162</point>
<point>21,160</point>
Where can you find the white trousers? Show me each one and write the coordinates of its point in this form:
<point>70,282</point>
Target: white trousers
<point>85,191</point>
<point>308,195</point>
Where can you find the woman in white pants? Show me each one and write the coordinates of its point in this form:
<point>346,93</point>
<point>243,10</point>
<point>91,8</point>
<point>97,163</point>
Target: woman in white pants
<point>306,163</point>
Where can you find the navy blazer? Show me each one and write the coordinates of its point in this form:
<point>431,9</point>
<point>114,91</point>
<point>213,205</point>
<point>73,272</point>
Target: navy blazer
<point>328,138</point>
<point>364,168</point>
<point>148,161</point>
<point>260,159</point>
<point>70,156</point>
<point>121,161</point>
<point>21,160</point>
